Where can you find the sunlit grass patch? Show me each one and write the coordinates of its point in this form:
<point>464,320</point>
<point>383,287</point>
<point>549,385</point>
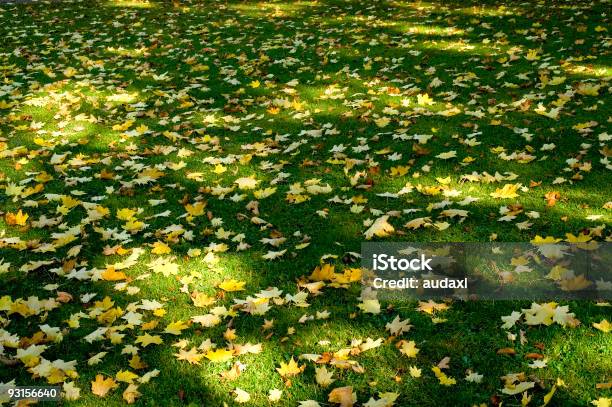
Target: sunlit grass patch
<point>274,9</point>
<point>136,4</point>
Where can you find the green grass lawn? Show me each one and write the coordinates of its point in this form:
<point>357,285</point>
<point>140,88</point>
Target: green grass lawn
<point>163,155</point>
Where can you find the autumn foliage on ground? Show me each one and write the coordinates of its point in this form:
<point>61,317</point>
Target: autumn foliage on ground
<point>184,188</point>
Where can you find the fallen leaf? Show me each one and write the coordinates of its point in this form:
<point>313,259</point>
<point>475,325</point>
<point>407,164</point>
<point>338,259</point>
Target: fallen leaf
<point>101,386</point>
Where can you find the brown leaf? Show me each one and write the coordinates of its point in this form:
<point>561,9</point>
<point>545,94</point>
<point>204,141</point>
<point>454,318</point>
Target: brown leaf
<point>534,184</point>
<point>343,396</point>
<point>443,364</point>
<point>63,297</point>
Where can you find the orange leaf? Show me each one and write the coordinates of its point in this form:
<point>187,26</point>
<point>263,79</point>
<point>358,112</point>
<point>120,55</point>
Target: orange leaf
<point>551,198</point>
<point>101,386</point>
<point>111,275</point>
<point>18,218</point>
<point>160,248</point>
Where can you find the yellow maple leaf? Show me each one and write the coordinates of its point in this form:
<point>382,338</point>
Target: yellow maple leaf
<point>232,285</point>
<point>442,377</point>
<point>110,274</point>
<point>101,386</point>
<point>202,299</point>
<point>123,126</point>
<point>508,191</point>
<point>125,214</point>
<point>197,209</point>
<point>544,240</point>
<point>399,171</point>
<point>136,363</point>
<point>424,99</point>
<point>5,303</point>
<point>602,402</point>
<point>322,273</point>
<point>603,326</point>
<point>175,328</point>
<point>532,55</point>
<point>382,121</point>
<point>219,169</point>
<point>349,276</point>
<point>126,376</point>
<point>429,190</point>
<point>160,248</point>
<point>540,314</point>
<point>409,349</point>
<point>264,193</point>
<point>290,369</point>
<point>69,202</point>
<point>415,372</point>
<point>133,225</point>
<point>147,326</point>
<point>219,355</point>
<point>147,340</point>
<point>69,72</point>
